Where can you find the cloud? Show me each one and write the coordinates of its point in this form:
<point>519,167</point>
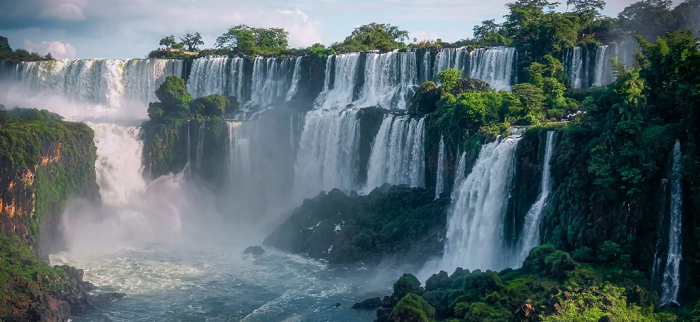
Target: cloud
<point>423,35</point>
<point>57,49</point>
<point>64,11</point>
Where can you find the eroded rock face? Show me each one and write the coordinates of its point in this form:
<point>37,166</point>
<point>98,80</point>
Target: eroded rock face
<point>37,306</point>
<point>254,250</point>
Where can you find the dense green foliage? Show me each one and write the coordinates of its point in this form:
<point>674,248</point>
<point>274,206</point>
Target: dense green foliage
<point>33,114</point>
<point>383,37</point>
<point>6,53</point>
<point>251,41</point>
<point>22,143</point>
<point>388,221</point>
<point>17,259</point>
<point>550,286</point>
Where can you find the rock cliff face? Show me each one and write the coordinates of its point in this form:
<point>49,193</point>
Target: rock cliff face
<point>389,222</point>
<point>42,165</point>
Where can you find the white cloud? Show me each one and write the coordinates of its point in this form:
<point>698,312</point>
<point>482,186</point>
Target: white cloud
<point>57,49</point>
<point>423,35</point>
<point>63,11</point>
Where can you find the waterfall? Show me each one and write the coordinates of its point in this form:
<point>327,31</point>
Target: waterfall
<point>600,63</point>
<point>530,236</point>
<point>459,173</point>
<point>390,79</point>
<point>573,64</point>
<point>118,165</point>
<point>671,277</point>
<point>660,242</point>
<point>109,82</point>
<point>426,67</point>
<point>328,155</point>
<point>200,147</point>
<point>295,79</point>
<point>397,155</point>
<point>239,158</point>
<point>216,75</point>
<point>476,216</point>
<point>440,174</point>
<point>494,66</point>
<point>340,95</point>
<point>269,80</point>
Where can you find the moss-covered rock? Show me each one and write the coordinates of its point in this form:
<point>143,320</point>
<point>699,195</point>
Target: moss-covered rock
<point>390,221</point>
<point>412,308</point>
<point>42,165</point>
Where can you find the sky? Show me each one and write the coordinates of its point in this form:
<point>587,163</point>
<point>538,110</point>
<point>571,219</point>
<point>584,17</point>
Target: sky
<point>131,28</point>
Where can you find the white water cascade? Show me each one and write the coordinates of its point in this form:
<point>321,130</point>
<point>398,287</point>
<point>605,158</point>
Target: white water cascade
<point>216,75</point>
<point>459,173</point>
<point>573,63</point>
<point>601,62</point>
<point>456,58</point>
<point>340,93</point>
<point>269,80</point>
<point>390,79</point>
<point>530,236</point>
<point>588,68</point>
<point>109,82</point>
<point>328,155</point>
<point>476,216</point>
<point>440,174</point>
<point>494,65</point>
<point>398,153</point>
<point>671,277</point>
<point>296,75</point>
<point>118,165</point>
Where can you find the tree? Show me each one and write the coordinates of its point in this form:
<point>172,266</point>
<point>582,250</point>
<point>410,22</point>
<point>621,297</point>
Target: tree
<point>5,45</point>
<point>192,41</point>
<point>167,41</point>
<point>245,40</point>
<point>448,79</point>
<point>586,6</point>
<point>212,105</point>
<point>490,33</point>
<point>687,15</point>
<point>648,18</point>
<point>173,95</point>
<point>384,37</point>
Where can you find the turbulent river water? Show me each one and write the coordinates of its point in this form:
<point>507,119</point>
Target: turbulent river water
<point>214,281</point>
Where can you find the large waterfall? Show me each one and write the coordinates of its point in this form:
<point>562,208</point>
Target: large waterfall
<point>397,153</point>
<point>670,283</point>
<point>296,75</point>
<point>588,68</point>
<point>118,165</point>
<point>217,75</point>
<point>389,80</point>
<point>338,90</point>
<point>494,66</point>
<point>476,219</point>
<point>109,82</point>
<point>328,154</point>
<point>440,174</point>
<point>530,236</point>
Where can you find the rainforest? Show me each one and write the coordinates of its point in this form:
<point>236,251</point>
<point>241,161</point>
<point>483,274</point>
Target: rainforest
<point>546,168</point>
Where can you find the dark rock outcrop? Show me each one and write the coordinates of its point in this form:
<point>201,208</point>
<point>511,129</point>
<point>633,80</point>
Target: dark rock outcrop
<point>368,304</point>
<point>389,222</point>
<point>254,250</point>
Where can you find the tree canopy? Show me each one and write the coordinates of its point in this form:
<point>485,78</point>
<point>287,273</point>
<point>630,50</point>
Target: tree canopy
<point>250,41</point>
<point>384,37</point>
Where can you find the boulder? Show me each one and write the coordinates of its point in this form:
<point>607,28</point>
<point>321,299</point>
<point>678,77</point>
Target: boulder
<point>255,250</point>
<point>368,304</point>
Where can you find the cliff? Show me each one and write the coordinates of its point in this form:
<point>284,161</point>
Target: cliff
<point>42,165</point>
<point>389,222</point>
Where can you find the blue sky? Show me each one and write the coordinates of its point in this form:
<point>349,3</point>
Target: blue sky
<point>131,28</point>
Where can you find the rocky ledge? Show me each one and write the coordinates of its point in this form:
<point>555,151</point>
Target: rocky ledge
<point>24,301</point>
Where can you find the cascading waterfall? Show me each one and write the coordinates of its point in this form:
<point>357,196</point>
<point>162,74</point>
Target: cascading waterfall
<point>476,218</point>
<point>390,79</point>
<point>671,277</point>
<point>216,75</point>
<point>573,63</point>
<point>118,165</point>
<point>459,173</point>
<point>600,64</point>
<point>427,75</point>
<point>269,80</point>
<point>493,65</point>
<point>109,82</point>
<point>440,174</point>
<point>296,75</point>
<point>397,153</point>
<point>530,236</point>
<point>340,95</point>
<point>200,147</point>
<point>328,155</point>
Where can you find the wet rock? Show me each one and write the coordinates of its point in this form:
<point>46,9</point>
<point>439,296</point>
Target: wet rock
<point>386,301</point>
<point>605,319</point>
<point>255,250</point>
<point>368,304</point>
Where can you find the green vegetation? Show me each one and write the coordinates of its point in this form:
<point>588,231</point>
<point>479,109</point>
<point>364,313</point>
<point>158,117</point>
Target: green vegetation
<point>389,221</point>
<point>69,169</point>
<point>17,260</point>
<point>383,37</point>
<point>250,41</point>
<point>413,308</point>
<point>6,53</point>
<point>33,114</point>
<point>185,49</point>
<point>550,286</point>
